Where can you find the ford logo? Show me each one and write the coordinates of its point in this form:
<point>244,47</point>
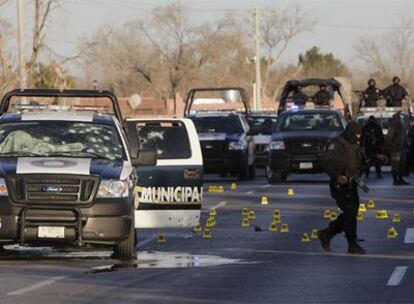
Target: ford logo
<point>51,188</point>
<point>306,145</point>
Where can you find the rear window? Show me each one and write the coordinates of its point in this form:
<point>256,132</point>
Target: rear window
<point>309,121</point>
<point>225,124</point>
<point>169,139</point>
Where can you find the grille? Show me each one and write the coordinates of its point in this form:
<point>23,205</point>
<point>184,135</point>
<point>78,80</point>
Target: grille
<point>213,149</point>
<point>28,189</point>
<point>260,149</point>
<point>306,146</point>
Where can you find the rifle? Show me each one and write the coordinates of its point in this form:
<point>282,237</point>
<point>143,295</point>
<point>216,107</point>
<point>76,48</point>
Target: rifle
<point>354,177</point>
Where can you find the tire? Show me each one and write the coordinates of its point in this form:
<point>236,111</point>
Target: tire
<point>252,172</point>
<point>274,177</point>
<point>125,250</point>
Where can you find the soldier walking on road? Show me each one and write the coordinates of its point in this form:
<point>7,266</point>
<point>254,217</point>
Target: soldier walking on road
<point>395,93</point>
<point>397,143</point>
<point>342,162</point>
<point>372,143</point>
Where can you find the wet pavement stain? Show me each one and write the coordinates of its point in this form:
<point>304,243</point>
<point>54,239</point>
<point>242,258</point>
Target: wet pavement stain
<point>156,259</point>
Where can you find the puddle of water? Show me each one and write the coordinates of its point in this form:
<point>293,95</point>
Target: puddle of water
<point>156,259</point>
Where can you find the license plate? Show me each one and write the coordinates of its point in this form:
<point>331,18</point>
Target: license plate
<point>306,165</point>
<point>51,232</point>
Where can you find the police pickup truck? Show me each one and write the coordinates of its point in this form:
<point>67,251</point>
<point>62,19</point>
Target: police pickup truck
<point>67,171</point>
<point>300,141</point>
<point>261,127</point>
<point>169,195</point>
<point>226,142</point>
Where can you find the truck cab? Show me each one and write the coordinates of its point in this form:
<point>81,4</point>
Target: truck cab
<point>67,173</point>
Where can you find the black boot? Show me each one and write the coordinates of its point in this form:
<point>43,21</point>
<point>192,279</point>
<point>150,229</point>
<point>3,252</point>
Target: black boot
<point>356,249</point>
<point>402,181</point>
<point>396,180</point>
<point>325,238</point>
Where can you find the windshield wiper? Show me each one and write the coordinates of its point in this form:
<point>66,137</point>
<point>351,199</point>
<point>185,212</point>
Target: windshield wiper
<point>78,154</point>
<point>20,154</point>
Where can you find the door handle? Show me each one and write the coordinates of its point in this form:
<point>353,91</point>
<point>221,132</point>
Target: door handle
<point>192,173</point>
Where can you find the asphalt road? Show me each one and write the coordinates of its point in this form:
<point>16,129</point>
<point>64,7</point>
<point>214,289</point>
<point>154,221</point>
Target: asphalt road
<point>237,265</point>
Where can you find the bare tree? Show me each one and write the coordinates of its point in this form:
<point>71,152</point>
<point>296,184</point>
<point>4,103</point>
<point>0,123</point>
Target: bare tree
<point>278,31</point>
<point>42,11</point>
<point>391,53</point>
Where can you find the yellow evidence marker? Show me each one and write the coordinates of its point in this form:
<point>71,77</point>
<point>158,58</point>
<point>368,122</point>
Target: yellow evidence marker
<point>245,223</point>
<point>277,213</point>
<point>382,214</point>
<point>211,222</point>
<point>327,214</point>
<point>245,212</point>
<point>273,227</point>
<point>333,216</point>
<point>252,215</point>
<point>360,216</point>
<point>305,238</point>
<point>213,212</point>
<point>291,192</point>
<point>362,208</point>
<point>207,234</point>
<point>233,186</point>
<point>264,201</point>
<point>284,228</point>
<point>198,228</point>
<point>392,233</point>
<point>371,204</point>
<point>314,234</point>
<point>277,220</point>
<point>396,218</point>
<point>161,239</point>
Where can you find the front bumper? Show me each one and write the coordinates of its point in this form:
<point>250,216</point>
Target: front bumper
<point>107,222</point>
<point>285,162</point>
<point>232,161</point>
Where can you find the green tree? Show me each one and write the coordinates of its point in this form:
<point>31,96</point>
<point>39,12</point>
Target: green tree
<point>320,65</point>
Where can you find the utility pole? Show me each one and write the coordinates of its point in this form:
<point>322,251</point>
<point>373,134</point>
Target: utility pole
<point>20,39</point>
<point>258,76</point>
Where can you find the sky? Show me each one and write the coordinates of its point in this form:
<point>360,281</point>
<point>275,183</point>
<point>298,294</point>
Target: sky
<point>339,22</point>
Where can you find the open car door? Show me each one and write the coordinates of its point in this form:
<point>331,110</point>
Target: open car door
<point>216,99</point>
<point>169,194</point>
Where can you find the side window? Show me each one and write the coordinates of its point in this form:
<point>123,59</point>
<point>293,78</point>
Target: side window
<point>169,139</point>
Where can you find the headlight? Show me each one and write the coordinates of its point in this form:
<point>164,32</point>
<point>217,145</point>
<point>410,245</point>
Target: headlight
<point>113,188</point>
<point>277,145</point>
<point>235,145</point>
<point>3,188</point>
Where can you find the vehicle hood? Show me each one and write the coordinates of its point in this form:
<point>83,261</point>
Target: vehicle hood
<point>212,136</point>
<point>106,169</point>
<point>304,134</point>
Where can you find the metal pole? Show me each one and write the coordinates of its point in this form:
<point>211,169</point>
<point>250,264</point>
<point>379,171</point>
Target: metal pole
<point>257,61</point>
<point>20,39</point>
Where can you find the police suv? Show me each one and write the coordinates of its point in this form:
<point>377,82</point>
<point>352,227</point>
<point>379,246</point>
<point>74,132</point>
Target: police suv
<point>66,171</point>
<point>226,142</point>
<point>169,195</point>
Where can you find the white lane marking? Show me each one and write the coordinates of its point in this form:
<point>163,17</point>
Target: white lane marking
<point>266,186</point>
<point>397,276</point>
<point>219,205</point>
<point>146,241</point>
<point>249,192</point>
<point>38,285</point>
<point>409,236</point>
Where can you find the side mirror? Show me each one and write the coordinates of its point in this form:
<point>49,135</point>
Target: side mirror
<point>145,158</point>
